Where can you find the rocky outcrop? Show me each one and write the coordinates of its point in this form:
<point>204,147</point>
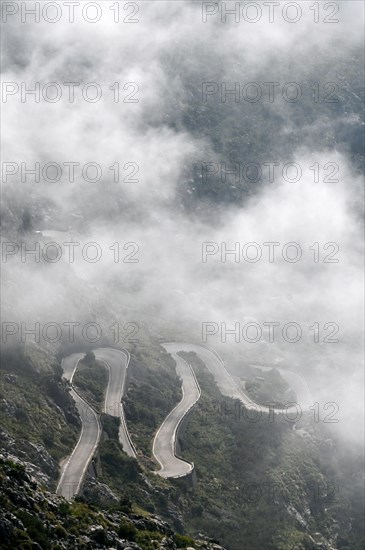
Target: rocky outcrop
<point>98,493</point>
<point>37,459</point>
<point>33,517</point>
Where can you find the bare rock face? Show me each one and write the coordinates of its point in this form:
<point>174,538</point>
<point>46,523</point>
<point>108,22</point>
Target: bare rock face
<point>98,493</point>
<point>36,458</point>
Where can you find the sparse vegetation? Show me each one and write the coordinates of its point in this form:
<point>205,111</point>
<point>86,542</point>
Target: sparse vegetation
<point>231,454</point>
<point>91,380</point>
<point>35,404</point>
<point>148,403</point>
<point>32,517</point>
<point>257,481</point>
<point>269,387</point>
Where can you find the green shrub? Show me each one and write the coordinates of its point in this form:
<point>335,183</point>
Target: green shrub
<point>35,529</point>
<point>197,510</point>
<point>64,508</point>
<point>182,541</point>
<point>125,505</point>
<point>60,532</point>
<point>110,426</point>
<point>127,530</point>
<point>149,540</point>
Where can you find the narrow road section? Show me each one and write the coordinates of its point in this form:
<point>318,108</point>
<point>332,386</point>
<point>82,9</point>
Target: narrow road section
<point>117,362</point>
<point>74,468</point>
<point>164,444</point>
<point>230,388</point>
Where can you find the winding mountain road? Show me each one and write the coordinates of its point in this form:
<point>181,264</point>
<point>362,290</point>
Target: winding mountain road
<point>164,444</point>
<point>229,387</point>
<point>74,468</point>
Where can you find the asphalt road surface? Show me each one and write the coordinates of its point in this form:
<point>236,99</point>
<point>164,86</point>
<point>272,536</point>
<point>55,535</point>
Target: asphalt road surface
<point>117,363</point>
<point>74,468</point>
<point>229,387</point>
<point>164,444</point>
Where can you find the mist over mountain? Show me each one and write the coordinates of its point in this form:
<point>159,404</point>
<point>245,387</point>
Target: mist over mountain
<point>170,211</point>
<point>205,133</point>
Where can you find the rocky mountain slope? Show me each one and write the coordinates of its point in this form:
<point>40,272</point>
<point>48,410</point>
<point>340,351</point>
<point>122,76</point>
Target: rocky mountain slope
<point>34,518</point>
